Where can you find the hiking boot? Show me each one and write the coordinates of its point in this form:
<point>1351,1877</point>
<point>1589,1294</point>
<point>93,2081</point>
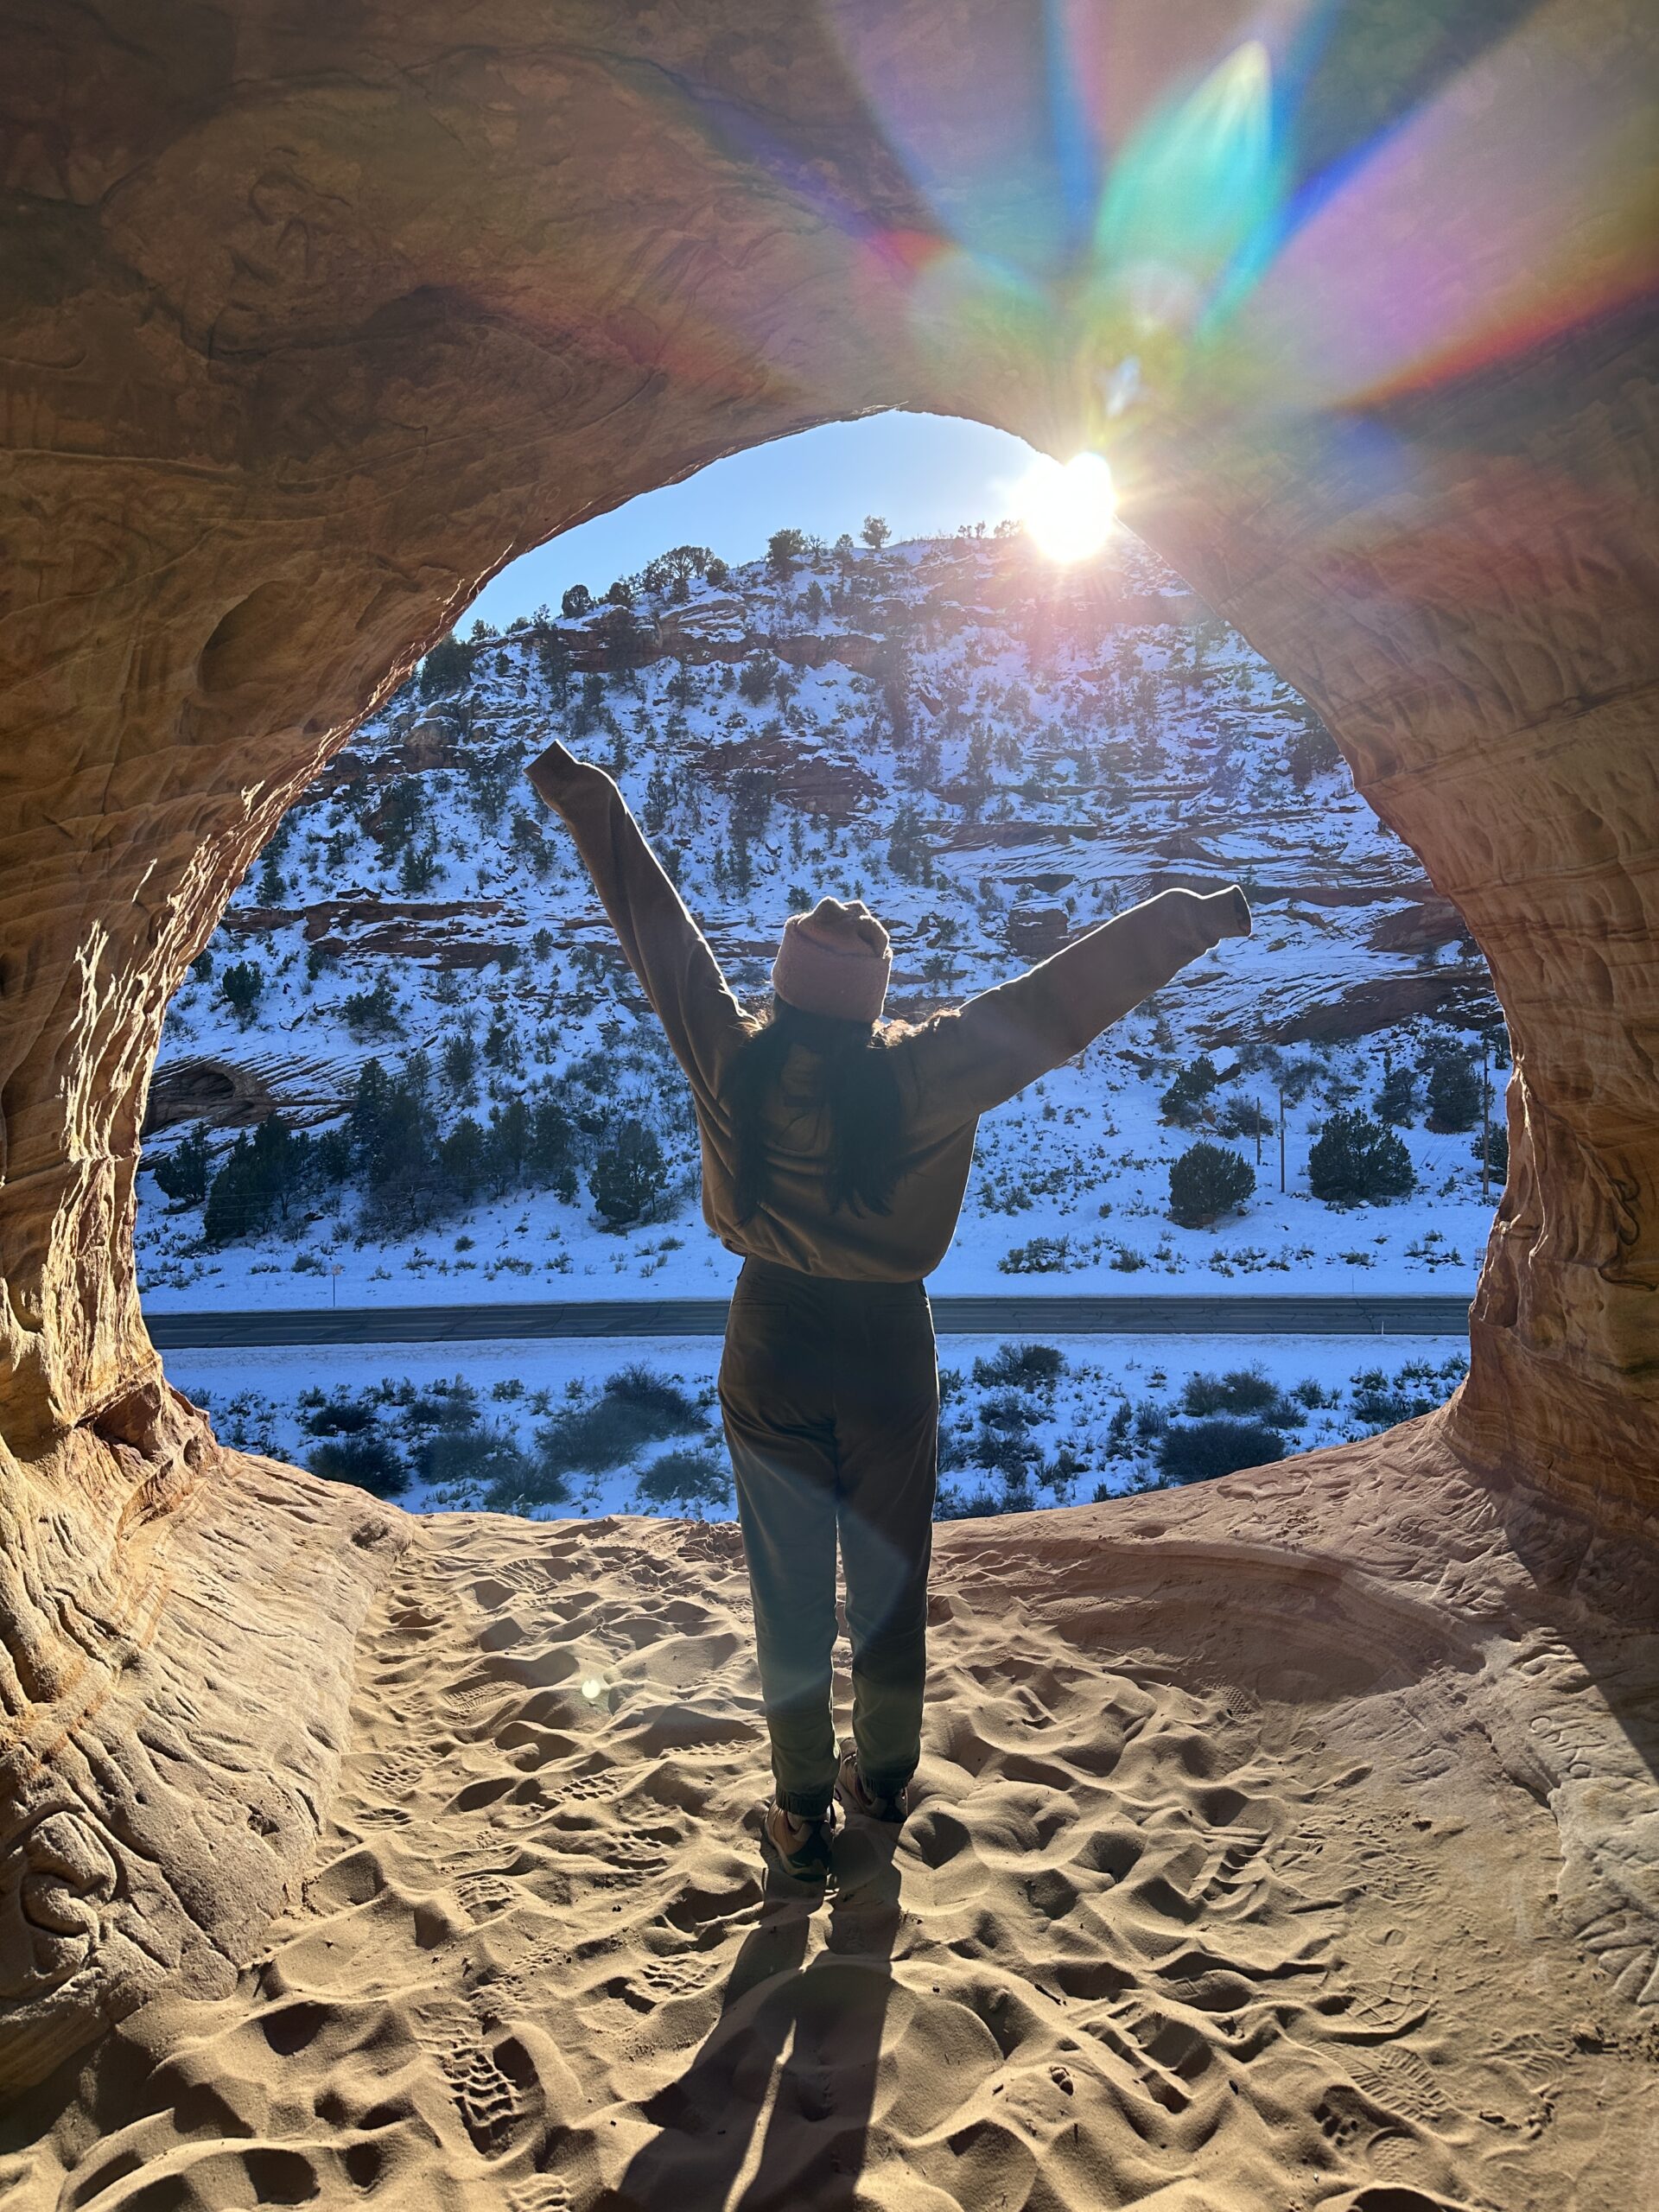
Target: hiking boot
<point>798,1847</point>
<point>849,1788</point>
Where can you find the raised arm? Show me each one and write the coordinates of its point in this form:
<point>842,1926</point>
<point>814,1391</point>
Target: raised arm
<point>663,945</point>
<point>1006,1038</point>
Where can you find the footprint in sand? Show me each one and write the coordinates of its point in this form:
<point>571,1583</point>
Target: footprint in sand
<point>485,1895</point>
<point>486,2098</point>
<point>545,2194</point>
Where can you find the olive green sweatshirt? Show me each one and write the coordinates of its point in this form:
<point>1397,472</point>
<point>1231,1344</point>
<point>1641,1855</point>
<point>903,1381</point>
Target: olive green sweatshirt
<point>949,1070</point>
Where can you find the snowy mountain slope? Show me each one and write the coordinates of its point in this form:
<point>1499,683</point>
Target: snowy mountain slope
<point>995,757</point>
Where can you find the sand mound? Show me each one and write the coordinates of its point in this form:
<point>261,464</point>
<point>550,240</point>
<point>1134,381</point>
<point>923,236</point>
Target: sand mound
<point>1266,1925</point>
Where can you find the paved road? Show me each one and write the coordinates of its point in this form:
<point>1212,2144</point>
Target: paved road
<point>997,1315</point>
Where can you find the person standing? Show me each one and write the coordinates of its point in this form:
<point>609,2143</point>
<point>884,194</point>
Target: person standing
<point>835,1155</point>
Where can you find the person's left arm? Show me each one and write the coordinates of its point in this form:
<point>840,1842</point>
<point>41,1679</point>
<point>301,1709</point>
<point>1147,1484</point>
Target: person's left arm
<point>1006,1038</point>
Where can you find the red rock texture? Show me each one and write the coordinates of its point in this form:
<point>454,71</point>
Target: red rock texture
<point>315,318</point>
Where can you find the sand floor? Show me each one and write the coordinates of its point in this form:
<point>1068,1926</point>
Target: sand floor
<point>1216,1897</point>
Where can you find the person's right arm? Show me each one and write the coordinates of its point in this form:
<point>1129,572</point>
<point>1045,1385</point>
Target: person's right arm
<point>1007,1038</point>
<point>663,944</point>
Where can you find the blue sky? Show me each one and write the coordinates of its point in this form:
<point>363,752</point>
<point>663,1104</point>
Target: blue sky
<point>925,473</point>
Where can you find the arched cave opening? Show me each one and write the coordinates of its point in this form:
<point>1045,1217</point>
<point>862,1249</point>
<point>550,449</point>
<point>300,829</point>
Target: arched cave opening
<point>462,1097</point>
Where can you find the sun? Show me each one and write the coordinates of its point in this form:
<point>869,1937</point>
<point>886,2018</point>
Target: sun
<point>1068,507</point>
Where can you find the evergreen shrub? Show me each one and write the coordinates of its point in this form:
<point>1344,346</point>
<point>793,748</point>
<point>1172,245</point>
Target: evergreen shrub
<point>1356,1161</point>
<point>1453,1091</point>
<point>1207,1181</point>
<point>182,1174</point>
<point>1183,1102</point>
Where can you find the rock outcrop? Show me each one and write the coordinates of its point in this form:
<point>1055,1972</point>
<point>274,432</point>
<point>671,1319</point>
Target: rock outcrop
<point>314,320</point>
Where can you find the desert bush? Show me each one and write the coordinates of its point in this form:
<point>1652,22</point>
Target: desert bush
<point>1381,1399</point>
<point>636,1408</point>
<point>520,1488</point>
<point>1314,1395</point>
<point>1008,1452</point>
<point>1241,1116</point>
<point>370,1460</point>
<point>1199,1451</point>
<point>1043,1256</point>
<point>1020,1367</point>
<point>952,1505</point>
<point>686,1478</point>
<point>1356,1161</point>
<point>1243,1390</point>
<point>477,1453</point>
<point>338,1414</point>
<point>1207,1181</point>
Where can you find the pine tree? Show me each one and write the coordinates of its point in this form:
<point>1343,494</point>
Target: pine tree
<point>628,1173</point>
<point>242,982</point>
<point>182,1172</point>
<point>258,1180</point>
<point>1183,1102</point>
<point>1396,1095</point>
<point>445,669</point>
<point>1453,1091</point>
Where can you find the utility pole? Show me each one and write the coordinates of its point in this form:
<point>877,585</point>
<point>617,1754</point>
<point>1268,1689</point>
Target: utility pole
<point>1282,1138</point>
<point>1486,1120</point>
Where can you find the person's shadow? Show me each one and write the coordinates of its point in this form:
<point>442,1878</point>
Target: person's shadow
<point>829,2014</point>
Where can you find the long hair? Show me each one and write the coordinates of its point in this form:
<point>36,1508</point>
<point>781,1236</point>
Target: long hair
<point>857,1086</point>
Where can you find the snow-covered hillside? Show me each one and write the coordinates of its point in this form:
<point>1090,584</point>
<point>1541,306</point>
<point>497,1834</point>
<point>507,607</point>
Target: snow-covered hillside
<point>994,755</point>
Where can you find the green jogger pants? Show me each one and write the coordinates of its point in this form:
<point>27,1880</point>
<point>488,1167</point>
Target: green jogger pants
<point>830,1395</point>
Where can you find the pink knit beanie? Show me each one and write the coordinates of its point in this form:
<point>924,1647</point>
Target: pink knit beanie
<point>834,961</point>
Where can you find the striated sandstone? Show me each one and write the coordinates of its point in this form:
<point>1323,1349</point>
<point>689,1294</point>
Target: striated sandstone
<point>313,321</point>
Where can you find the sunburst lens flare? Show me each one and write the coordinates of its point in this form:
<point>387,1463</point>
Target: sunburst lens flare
<point>1068,507</point>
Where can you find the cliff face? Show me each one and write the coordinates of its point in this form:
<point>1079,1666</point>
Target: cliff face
<point>312,325</point>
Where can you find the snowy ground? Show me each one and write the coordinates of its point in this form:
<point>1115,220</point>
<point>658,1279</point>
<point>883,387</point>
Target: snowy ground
<point>1092,1427</point>
<point>1050,754</point>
